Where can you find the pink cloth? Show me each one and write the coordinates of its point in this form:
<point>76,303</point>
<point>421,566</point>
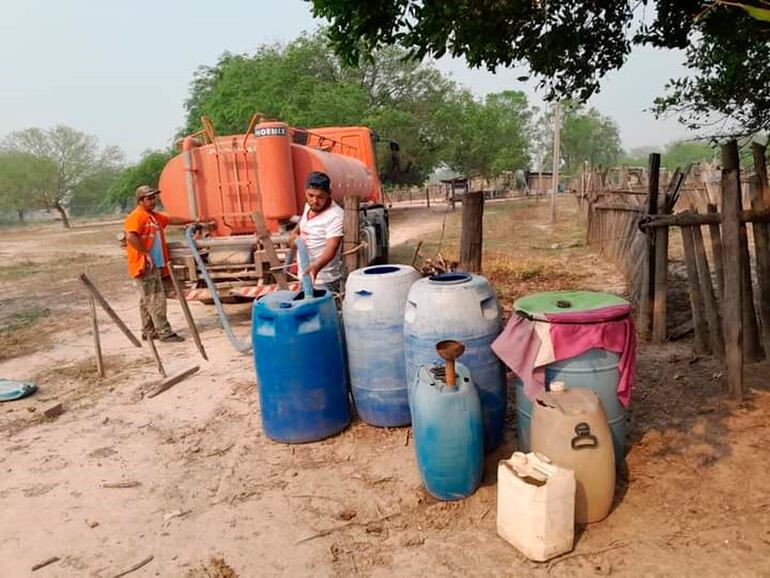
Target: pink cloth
<point>521,345</point>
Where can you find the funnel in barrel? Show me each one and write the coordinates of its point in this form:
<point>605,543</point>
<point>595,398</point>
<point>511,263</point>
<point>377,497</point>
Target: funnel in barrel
<point>449,350</point>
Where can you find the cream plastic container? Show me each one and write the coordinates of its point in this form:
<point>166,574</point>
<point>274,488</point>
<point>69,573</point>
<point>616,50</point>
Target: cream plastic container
<point>536,506</point>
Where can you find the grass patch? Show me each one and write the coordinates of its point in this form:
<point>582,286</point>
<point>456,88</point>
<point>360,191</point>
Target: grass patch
<point>23,319</point>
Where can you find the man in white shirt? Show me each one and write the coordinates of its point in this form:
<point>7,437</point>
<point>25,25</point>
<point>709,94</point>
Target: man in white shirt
<point>321,229</point>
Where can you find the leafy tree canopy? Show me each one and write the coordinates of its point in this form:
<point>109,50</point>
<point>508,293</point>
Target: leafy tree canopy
<point>305,84</point>
<point>63,160</point>
<point>675,154</point>
<point>586,137</point>
<point>145,172</point>
<point>569,45</point>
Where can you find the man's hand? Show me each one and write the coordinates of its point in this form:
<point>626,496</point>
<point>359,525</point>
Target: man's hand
<point>313,270</point>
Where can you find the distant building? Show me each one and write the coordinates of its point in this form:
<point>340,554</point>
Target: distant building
<point>539,182</point>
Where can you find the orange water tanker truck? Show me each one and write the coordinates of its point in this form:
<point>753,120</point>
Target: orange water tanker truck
<point>227,179</point>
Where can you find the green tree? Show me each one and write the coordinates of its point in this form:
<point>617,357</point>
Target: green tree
<point>492,136</point>
<point>22,178</point>
<point>569,45</point>
<point>145,172</point>
<point>306,85</point>
<point>586,136</point>
<point>91,195</point>
<point>675,154</point>
<point>75,155</point>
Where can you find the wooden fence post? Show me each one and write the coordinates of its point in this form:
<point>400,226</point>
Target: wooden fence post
<point>648,279</point>
<point>696,297</point>
<point>762,256</point>
<point>710,303</point>
<point>471,237</point>
<point>732,313</point>
<point>350,231</point>
<point>760,169</point>
<point>716,252</point>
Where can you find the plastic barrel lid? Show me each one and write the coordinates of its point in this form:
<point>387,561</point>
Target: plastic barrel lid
<point>546,306</point>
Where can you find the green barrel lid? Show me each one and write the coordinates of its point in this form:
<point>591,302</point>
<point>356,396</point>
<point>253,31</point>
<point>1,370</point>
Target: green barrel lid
<point>554,302</point>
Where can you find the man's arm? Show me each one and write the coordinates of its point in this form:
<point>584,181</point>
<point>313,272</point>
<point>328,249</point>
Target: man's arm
<point>330,250</point>
<point>132,238</point>
<point>181,220</point>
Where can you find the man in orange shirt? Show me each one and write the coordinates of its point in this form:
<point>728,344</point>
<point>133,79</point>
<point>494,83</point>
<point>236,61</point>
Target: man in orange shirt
<point>148,262</point>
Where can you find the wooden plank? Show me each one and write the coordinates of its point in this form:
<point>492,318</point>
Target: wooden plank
<point>689,218</point>
<point>646,304</point>
<point>471,236</point>
<point>696,299</point>
<point>350,228</point>
<point>109,310</point>
<point>716,252</point>
<point>173,380</point>
<point>732,301</point>
<point>263,234</point>
<point>187,314</point>
<point>97,340</point>
<point>710,303</point>
<point>762,257</point>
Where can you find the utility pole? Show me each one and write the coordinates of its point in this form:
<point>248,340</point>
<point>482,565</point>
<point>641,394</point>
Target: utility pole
<point>556,153</point>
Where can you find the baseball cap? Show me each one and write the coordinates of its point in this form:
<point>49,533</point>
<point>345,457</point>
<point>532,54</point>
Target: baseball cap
<point>145,191</point>
<point>318,180</point>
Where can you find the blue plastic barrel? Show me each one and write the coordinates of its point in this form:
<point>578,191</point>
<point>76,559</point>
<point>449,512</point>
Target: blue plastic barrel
<point>373,314</point>
<point>448,433</point>
<point>464,308</point>
<point>300,369</point>
<point>596,370</point>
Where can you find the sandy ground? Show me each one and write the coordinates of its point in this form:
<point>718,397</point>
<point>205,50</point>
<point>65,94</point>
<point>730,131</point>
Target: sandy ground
<point>209,495</point>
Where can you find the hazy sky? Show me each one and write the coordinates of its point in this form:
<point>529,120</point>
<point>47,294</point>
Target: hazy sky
<point>121,69</point>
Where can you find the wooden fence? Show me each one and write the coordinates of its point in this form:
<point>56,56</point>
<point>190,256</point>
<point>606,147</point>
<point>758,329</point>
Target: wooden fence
<point>730,312</point>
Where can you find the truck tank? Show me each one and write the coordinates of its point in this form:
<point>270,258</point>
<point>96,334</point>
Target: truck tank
<point>233,176</point>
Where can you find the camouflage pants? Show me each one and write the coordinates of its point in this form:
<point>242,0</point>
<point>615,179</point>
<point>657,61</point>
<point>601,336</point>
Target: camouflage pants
<point>152,305</point>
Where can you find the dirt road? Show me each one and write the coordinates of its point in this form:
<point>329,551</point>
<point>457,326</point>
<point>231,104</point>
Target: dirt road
<point>207,491</point>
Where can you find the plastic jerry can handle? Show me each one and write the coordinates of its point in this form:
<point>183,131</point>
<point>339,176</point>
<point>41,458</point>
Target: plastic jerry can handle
<point>584,438</point>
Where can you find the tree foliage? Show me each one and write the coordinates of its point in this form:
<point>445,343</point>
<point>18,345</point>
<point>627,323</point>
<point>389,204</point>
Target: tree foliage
<point>145,172</point>
<point>63,160</point>
<point>569,45</point>
<point>306,85</point>
<point>675,154</point>
<point>586,137</point>
<point>23,177</point>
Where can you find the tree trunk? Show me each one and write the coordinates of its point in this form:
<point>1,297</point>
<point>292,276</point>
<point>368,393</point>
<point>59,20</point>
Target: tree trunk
<point>20,213</point>
<point>62,211</point>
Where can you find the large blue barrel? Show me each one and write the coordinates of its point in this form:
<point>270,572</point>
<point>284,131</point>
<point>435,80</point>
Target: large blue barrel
<point>448,436</point>
<point>464,308</point>
<point>300,370</point>
<point>596,370</point>
<point>373,312</point>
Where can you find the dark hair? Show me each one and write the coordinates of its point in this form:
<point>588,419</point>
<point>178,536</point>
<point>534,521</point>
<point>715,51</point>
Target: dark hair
<point>318,180</point>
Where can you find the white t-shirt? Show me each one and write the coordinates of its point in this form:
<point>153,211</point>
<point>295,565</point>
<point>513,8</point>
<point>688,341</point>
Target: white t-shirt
<point>316,230</point>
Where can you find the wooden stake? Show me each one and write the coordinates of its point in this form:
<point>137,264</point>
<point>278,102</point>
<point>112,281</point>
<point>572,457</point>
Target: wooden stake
<point>709,299</point>
<point>471,237</point>
<point>648,288</point>
<point>696,299</point>
<point>97,340</point>
<point>350,227</point>
<point>154,350</point>
<point>109,310</point>
<point>716,252</point>
<point>762,256</point>
<point>660,298</point>
<point>732,306</point>
<point>187,314</point>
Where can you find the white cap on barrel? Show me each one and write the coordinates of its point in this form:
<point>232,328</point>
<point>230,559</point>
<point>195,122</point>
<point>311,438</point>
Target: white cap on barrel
<point>558,386</point>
